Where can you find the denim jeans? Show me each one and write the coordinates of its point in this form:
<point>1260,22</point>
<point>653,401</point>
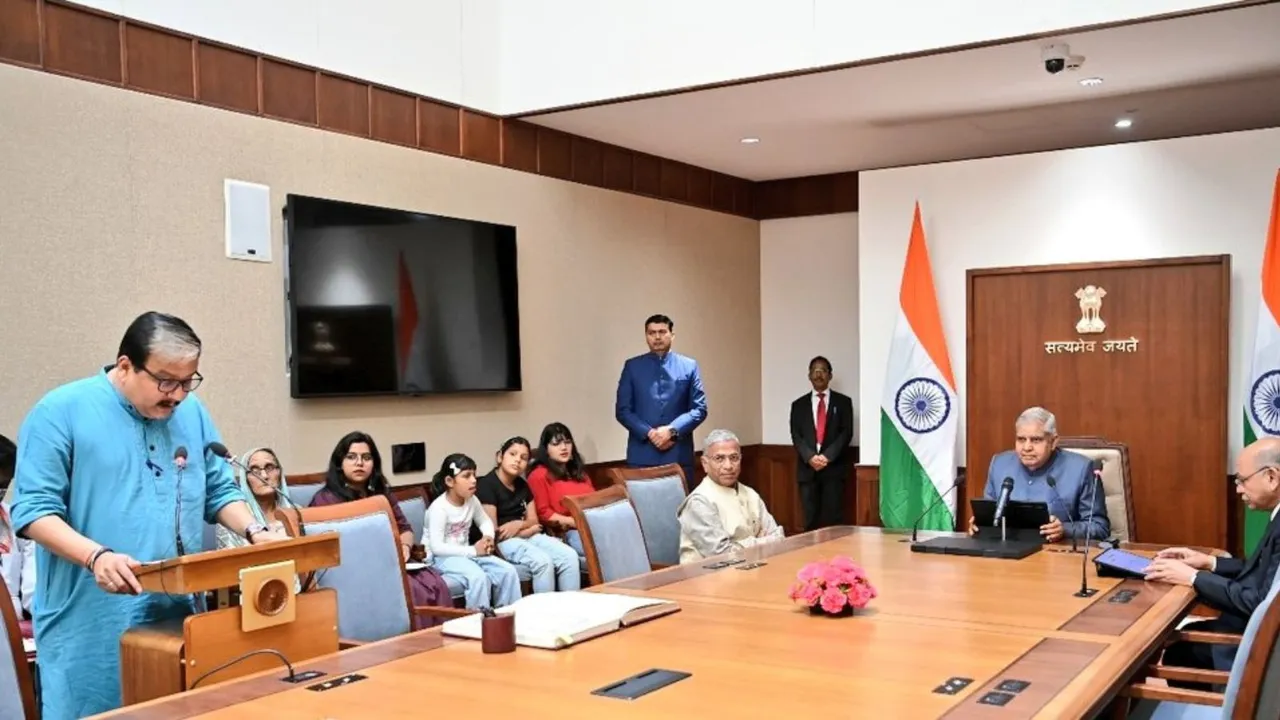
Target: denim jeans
<point>548,560</point>
<point>487,581</point>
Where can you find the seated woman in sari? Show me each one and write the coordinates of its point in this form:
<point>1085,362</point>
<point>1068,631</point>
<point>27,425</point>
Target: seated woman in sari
<point>355,473</point>
<point>264,490</point>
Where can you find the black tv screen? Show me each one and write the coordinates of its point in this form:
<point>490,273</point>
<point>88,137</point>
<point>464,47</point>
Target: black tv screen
<point>390,302</point>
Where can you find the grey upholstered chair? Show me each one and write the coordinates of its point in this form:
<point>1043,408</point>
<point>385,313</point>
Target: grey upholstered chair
<point>17,692</point>
<point>611,534</point>
<point>1253,686</point>
<point>656,494</point>
<point>374,602</point>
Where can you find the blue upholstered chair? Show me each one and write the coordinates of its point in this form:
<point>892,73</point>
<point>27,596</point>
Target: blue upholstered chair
<point>373,591</point>
<point>1253,686</point>
<point>17,692</point>
<point>656,494</point>
<point>415,511</point>
<point>301,493</point>
<point>611,534</point>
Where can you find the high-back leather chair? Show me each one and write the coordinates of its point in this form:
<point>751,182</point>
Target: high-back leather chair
<point>1116,480</point>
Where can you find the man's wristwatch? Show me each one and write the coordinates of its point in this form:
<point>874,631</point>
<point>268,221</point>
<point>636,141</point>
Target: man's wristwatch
<point>253,529</point>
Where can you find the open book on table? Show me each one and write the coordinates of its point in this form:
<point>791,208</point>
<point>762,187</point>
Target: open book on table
<point>559,619</point>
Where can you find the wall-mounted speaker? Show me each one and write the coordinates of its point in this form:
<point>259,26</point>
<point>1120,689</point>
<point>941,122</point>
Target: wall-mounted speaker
<point>248,220</point>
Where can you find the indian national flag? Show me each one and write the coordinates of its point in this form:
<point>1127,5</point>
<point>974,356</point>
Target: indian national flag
<point>1262,384</point>
<point>918,416</point>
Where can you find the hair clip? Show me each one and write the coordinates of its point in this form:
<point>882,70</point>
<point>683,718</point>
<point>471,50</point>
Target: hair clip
<point>453,469</point>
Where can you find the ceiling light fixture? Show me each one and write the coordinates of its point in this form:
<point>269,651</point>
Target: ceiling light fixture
<point>1091,82</point>
<point>749,140</point>
<point>1124,123</point>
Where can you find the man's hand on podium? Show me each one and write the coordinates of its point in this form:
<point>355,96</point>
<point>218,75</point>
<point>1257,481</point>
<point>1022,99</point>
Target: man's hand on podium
<point>114,573</point>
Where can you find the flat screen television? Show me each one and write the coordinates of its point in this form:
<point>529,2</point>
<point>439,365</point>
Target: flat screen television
<point>390,302</point>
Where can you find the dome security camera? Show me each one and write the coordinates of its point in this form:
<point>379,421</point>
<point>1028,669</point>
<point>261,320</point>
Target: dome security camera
<point>1057,57</point>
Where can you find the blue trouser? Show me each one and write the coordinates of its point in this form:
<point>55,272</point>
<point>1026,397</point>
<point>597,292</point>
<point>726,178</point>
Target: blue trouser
<point>487,581</point>
<point>548,560</point>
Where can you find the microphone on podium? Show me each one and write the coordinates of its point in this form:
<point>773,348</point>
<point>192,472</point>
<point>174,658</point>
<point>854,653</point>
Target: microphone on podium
<point>282,500</point>
<point>179,462</point>
<point>1006,489</point>
<point>1053,487</point>
<point>915,527</point>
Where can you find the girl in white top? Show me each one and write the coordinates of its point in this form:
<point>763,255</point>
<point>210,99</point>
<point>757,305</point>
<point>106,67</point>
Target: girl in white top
<point>459,537</point>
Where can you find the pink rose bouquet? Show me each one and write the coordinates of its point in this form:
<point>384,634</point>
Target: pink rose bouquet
<point>836,587</point>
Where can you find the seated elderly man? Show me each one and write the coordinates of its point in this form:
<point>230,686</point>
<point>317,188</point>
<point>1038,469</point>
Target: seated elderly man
<point>722,515</point>
<point>1075,492</point>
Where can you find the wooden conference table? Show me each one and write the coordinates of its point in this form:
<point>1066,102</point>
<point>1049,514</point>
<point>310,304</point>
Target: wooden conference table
<point>753,653</point>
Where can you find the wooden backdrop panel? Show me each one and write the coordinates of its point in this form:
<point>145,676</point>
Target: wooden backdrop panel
<point>1168,400</point>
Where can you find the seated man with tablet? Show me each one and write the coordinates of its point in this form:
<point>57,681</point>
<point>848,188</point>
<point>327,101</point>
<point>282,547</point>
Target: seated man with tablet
<point>1063,480</point>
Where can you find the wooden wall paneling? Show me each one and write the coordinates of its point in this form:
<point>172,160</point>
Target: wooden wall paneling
<point>520,145</point>
<point>342,105</point>
<point>619,164</point>
<point>289,92</point>
<point>82,43</point>
<point>588,161</point>
<point>813,195</point>
<point>1167,401</point>
<point>555,154</point>
<point>159,62</point>
<point>20,31</point>
<point>699,190</point>
<point>393,117</point>
<point>647,174</point>
<point>481,137</point>
<point>227,78</point>
<point>90,44</point>
<point>439,127</point>
<point>867,482</point>
<point>674,180</point>
<point>722,191</point>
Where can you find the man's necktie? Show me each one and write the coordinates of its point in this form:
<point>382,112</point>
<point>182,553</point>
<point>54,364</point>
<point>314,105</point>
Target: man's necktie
<point>820,421</point>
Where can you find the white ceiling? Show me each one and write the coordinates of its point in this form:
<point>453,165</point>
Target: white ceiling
<point>1202,74</point>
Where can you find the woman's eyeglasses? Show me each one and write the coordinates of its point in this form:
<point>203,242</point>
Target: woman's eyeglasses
<point>362,458</point>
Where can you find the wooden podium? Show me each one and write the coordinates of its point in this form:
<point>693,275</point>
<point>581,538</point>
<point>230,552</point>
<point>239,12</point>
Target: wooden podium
<point>165,658</point>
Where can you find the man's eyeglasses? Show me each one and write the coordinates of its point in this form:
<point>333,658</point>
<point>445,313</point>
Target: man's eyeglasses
<point>362,458</point>
<point>168,385</point>
<point>1236,479</point>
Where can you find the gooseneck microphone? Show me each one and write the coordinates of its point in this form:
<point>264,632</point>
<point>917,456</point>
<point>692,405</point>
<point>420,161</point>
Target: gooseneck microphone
<point>282,500</point>
<point>915,527</point>
<point>1085,591</point>
<point>1006,489</point>
<point>1053,487</point>
<point>180,463</point>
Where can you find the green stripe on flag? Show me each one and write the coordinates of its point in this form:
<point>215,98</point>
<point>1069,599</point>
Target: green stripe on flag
<point>1255,521</point>
<point>905,488</point>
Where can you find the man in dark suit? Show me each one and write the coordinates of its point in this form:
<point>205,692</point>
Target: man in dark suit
<point>821,429</point>
<point>1230,585</point>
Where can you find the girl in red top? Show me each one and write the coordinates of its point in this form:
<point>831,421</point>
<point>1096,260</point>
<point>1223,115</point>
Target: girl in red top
<point>558,471</point>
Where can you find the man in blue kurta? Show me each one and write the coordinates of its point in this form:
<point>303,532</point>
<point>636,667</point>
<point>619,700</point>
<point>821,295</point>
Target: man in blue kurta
<point>97,487</point>
<point>660,401</point>
<point>1076,500</point>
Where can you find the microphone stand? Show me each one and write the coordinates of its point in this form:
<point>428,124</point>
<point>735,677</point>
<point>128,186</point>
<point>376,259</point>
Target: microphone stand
<point>915,527</point>
<point>1053,485</point>
<point>1086,591</point>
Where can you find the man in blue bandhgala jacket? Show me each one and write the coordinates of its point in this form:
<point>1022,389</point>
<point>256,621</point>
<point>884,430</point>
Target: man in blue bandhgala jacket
<point>660,401</point>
